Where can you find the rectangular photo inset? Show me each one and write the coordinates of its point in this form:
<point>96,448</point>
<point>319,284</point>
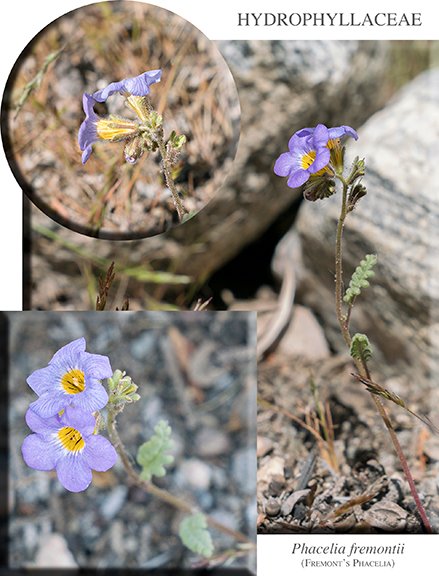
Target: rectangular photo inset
<point>131,440</point>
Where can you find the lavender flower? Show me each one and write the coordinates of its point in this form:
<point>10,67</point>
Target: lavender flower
<point>137,86</point>
<point>95,128</point>
<point>67,444</point>
<point>71,378</point>
<point>310,153</point>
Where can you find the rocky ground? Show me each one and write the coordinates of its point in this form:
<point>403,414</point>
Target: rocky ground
<point>343,476</point>
<point>196,371</point>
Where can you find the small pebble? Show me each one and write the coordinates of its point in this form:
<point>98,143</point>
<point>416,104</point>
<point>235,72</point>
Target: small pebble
<point>264,446</point>
<point>272,507</point>
<point>196,474</point>
<point>114,502</point>
<point>276,485</point>
<point>54,553</point>
<point>210,442</point>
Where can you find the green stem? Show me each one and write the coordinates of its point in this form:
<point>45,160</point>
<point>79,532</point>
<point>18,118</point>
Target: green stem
<point>163,495</point>
<point>361,365</point>
<point>339,265</point>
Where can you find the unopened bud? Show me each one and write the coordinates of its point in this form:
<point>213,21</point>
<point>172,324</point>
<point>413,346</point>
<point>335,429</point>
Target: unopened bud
<point>134,149</point>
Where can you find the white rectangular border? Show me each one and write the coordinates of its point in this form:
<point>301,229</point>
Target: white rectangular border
<point>275,554</point>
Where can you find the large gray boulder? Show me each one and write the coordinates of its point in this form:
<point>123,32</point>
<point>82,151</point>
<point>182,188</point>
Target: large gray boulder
<point>399,221</point>
<point>283,86</point>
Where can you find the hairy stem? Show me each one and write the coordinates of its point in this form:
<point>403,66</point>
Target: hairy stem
<point>163,495</point>
<point>181,210</point>
<point>167,168</point>
<point>361,365</point>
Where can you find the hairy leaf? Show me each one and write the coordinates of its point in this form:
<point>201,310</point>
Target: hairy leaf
<point>360,347</point>
<point>195,535</point>
<point>360,278</point>
<point>153,455</point>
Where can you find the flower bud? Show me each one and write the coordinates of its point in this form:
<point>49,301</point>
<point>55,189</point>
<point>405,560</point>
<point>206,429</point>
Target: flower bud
<point>357,171</point>
<point>122,388</point>
<point>177,141</point>
<point>133,150</point>
<point>356,193</point>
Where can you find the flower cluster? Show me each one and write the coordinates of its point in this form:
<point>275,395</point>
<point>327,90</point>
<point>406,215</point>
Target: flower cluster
<point>314,157</point>
<point>115,128</point>
<point>61,419</point>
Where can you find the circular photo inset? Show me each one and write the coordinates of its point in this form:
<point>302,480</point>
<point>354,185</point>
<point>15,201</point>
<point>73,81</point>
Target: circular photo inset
<point>120,120</point>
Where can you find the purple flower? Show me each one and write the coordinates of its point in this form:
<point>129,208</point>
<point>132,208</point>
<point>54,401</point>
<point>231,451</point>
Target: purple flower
<point>67,444</point>
<point>137,86</point>
<point>333,133</point>
<point>88,135</point>
<point>309,153</point>
<point>71,378</point>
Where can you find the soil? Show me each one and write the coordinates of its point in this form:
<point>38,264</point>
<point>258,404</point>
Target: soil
<point>354,483</point>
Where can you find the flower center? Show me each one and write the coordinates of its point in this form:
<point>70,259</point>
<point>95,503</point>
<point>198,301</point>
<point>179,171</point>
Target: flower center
<point>71,439</point>
<point>307,159</point>
<point>115,128</point>
<point>73,381</point>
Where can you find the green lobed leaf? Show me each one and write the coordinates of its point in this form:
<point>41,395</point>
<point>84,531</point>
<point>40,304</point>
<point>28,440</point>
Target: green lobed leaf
<point>152,455</point>
<point>195,535</point>
<point>360,278</point>
<point>360,347</point>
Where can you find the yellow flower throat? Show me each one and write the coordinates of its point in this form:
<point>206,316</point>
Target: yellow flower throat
<point>71,439</point>
<point>73,381</point>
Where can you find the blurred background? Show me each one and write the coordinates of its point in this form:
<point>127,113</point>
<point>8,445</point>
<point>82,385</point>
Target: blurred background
<point>197,371</point>
<point>86,50</point>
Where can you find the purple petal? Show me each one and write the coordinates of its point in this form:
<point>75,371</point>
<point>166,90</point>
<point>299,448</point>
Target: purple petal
<point>67,356</point>
<point>96,365</point>
<point>99,453</point>
<point>38,454</point>
<point>86,154</point>
<point>87,134</point>
<point>50,403</point>
<point>41,425</point>
<point>73,473</point>
<point>340,131</point>
<point>321,160</point>
<point>284,164</point>
<point>82,421</point>
<point>321,136</point>
<point>42,380</point>
<point>305,132</point>
<point>88,103</point>
<point>296,142</point>
<point>93,398</point>
<point>298,178</point>
<point>138,85</point>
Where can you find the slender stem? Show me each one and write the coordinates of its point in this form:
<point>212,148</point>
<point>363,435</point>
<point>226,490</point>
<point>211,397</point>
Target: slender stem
<point>167,168</point>
<point>339,266</point>
<point>181,210</point>
<point>163,495</point>
<point>361,365</point>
